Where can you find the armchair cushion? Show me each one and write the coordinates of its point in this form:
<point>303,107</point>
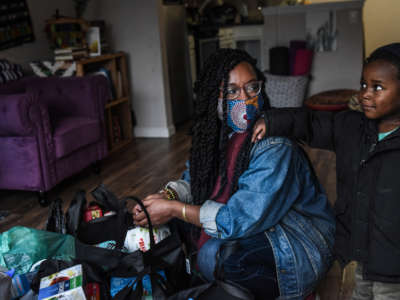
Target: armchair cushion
<point>72,133</point>
<point>14,115</point>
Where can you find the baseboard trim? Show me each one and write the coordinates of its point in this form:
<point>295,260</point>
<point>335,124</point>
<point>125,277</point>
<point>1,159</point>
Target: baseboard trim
<point>154,132</point>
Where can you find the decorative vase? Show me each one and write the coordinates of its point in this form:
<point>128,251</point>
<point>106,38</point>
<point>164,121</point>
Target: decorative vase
<point>80,7</point>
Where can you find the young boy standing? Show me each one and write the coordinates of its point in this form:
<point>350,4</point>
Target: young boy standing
<point>367,147</point>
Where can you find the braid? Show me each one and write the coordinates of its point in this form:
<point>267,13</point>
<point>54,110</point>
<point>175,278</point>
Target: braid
<point>210,135</point>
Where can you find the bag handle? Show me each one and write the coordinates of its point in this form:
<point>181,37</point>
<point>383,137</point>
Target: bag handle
<point>106,198</point>
<point>235,290</point>
<point>75,213</point>
<point>127,292</point>
<point>138,201</point>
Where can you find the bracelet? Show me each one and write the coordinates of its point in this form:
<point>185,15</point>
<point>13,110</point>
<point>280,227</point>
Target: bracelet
<point>184,213</point>
<point>171,194</point>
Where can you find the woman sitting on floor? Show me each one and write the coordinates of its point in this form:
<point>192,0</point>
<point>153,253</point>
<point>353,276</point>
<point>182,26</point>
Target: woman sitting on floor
<point>263,195</point>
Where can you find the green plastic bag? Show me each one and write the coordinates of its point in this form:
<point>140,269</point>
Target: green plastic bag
<point>21,247</point>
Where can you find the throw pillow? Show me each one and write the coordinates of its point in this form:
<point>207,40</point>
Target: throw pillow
<point>286,91</point>
<point>9,71</point>
<point>57,68</point>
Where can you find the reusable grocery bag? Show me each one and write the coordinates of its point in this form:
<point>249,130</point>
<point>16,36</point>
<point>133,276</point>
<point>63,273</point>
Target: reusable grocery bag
<point>163,264</point>
<point>219,288</point>
<point>21,247</point>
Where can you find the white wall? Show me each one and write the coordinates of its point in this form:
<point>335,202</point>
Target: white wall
<point>135,29</point>
<point>381,22</point>
<point>339,69</point>
<point>40,11</point>
<point>174,38</point>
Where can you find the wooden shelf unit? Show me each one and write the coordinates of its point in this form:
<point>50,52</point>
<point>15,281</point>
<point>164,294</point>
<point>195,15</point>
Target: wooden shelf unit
<point>118,109</point>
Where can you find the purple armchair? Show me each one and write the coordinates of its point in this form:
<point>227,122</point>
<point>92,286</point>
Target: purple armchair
<point>50,129</point>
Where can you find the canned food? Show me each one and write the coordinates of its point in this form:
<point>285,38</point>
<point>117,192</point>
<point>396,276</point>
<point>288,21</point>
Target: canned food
<point>92,291</point>
<point>93,212</point>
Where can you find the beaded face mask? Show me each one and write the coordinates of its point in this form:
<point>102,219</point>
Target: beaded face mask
<point>240,113</point>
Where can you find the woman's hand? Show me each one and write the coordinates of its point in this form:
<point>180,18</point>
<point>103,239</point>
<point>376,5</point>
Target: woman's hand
<point>259,130</point>
<point>158,207</point>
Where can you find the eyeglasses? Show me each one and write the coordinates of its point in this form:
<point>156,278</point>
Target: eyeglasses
<point>251,89</point>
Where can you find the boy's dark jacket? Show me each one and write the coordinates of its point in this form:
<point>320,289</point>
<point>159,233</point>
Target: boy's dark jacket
<point>368,183</point>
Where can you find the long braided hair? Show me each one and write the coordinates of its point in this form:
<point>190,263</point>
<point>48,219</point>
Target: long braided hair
<point>210,135</point>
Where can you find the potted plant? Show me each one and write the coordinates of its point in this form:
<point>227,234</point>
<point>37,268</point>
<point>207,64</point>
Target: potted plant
<point>80,7</point>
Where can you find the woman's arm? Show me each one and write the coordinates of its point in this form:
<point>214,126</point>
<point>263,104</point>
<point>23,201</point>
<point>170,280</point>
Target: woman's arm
<point>161,210</point>
<point>266,191</point>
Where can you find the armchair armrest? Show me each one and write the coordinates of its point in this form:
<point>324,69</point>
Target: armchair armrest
<point>15,114</point>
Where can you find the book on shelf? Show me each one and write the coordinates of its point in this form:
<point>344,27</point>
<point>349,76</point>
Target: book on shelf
<point>116,129</point>
<point>71,55</point>
<point>63,57</point>
<point>80,53</point>
<point>119,88</point>
<point>69,50</point>
<point>106,73</point>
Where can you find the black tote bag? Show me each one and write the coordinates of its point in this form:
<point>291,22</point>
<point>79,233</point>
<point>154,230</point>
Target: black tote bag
<point>105,228</point>
<point>167,255</point>
<point>219,289</point>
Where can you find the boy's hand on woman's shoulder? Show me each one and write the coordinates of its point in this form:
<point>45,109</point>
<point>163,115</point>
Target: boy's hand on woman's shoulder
<point>259,130</point>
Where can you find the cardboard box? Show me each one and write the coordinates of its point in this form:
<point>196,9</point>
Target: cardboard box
<point>66,284</point>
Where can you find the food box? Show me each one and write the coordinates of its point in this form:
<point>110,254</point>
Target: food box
<point>66,284</point>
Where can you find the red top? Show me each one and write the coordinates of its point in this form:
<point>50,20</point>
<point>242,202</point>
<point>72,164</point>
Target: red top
<point>234,145</point>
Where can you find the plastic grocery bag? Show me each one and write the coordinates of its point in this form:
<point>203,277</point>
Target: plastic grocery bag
<point>21,247</point>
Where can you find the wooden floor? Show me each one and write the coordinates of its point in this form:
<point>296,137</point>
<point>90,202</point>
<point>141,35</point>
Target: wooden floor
<point>143,167</point>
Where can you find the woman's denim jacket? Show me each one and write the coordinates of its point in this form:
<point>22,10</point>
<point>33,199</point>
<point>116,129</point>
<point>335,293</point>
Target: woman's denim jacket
<point>280,195</point>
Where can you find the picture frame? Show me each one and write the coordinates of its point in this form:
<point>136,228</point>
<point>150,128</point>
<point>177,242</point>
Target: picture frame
<point>94,41</point>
